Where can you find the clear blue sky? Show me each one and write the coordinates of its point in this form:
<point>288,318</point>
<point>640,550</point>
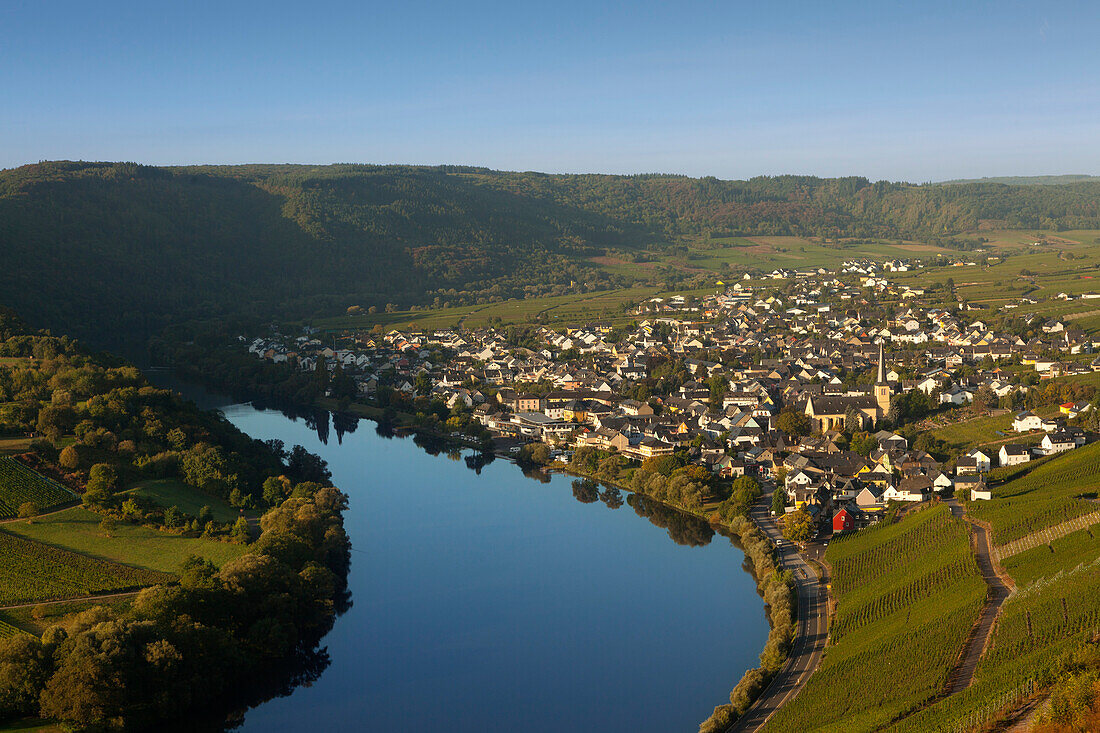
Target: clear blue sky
<point>899,90</point>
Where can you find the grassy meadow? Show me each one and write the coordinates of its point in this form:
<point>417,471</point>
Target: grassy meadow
<point>77,529</point>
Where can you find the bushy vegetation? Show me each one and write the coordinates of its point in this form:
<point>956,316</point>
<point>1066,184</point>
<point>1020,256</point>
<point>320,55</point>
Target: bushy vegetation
<point>907,596</point>
<point>218,636</point>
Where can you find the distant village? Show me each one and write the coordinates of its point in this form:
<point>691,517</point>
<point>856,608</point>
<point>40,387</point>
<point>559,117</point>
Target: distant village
<point>735,362</point>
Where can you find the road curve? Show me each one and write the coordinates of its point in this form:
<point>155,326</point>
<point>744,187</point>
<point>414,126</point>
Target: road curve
<point>813,626</point>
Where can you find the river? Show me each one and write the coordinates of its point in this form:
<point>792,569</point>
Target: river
<point>484,600</point>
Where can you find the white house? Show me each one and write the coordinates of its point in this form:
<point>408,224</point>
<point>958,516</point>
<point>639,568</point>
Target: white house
<point>1013,454</point>
<point>982,460</point>
<point>1057,443</point>
<point>1027,421</point>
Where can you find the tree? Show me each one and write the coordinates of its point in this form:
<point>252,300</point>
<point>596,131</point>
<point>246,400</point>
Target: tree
<point>779,501</point>
<point>798,526</point>
<point>69,458</point>
<point>102,482</point>
<point>27,510</point>
<point>794,422</point>
<point>107,525</point>
<point>853,420</point>
<point>241,533</point>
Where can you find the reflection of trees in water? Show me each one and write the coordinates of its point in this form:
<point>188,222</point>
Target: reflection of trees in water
<point>683,529</point>
<point>274,680</point>
<point>586,491</point>
<point>430,444</point>
<point>477,461</point>
<point>319,420</point>
<point>612,497</point>
<point>344,423</point>
<point>537,474</point>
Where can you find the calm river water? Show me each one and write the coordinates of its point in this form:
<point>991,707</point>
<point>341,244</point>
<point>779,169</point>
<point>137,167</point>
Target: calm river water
<point>496,602</point>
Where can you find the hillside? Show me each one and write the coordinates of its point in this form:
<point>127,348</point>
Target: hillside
<point>114,252</point>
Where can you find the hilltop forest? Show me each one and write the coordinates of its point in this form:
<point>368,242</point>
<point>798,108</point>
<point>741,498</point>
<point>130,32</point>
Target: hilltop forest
<point>115,252</point>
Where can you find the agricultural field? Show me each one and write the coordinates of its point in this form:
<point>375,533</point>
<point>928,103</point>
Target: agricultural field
<point>77,529</point>
<point>1048,495</point>
<point>188,499</point>
<point>19,484</point>
<point>1062,555</point>
<point>32,571</point>
<point>599,305</point>
<point>8,630</point>
<point>906,620</point>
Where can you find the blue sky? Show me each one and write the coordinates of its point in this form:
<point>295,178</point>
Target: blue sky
<point>902,91</point>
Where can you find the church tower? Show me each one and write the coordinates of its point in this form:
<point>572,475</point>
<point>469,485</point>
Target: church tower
<point>882,389</point>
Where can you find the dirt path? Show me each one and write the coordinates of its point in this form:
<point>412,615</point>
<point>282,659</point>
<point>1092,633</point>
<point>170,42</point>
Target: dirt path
<point>998,592</point>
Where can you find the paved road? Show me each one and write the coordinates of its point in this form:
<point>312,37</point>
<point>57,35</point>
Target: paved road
<point>813,626</point>
<point>997,594</point>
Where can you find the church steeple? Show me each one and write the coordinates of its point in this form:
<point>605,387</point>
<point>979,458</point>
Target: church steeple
<point>882,389</point>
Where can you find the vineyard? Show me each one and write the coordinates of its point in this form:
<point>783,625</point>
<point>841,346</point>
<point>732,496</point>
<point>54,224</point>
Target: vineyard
<point>1062,554</point>
<point>8,631</point>
<point>31,571</point>
<point>1056,607</point>
<point>19,485</point>
<point>1044,497</point>
<point>908,594</point>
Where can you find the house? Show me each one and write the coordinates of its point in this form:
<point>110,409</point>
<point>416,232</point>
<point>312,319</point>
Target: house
<point>913,488</point>
<point>843,521</point>
<point>980,492</point>
<point>966,465</point>
<point>1058,442</point>
<point>982,460</point>
<point>1025,422</point>
<point>1013,454</point>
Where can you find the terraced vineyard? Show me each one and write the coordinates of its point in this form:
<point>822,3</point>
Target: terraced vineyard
<point>908,594</point>
<point>1062,554</point>
<point>1044,497</point>
<point>1055,609</point>
<point>31,572</point>
<point>19,485</point>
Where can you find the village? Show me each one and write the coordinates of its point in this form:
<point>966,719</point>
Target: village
<point>824,387</point>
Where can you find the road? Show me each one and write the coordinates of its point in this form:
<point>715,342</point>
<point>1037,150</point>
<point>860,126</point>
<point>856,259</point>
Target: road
<point>813,625</point>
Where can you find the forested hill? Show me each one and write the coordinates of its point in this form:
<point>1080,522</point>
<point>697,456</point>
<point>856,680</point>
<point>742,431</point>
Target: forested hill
<point>114,252</point>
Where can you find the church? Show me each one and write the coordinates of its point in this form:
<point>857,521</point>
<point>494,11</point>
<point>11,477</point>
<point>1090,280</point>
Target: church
<point>830,412</point>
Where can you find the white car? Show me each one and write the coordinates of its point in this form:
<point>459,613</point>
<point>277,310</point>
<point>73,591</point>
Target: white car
<point>514,449</point>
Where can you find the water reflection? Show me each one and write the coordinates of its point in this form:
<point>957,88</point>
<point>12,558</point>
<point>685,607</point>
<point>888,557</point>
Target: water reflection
<point>682,528</point>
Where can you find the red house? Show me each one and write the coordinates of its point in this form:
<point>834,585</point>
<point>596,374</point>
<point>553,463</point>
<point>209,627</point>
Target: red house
<point>843,521</point>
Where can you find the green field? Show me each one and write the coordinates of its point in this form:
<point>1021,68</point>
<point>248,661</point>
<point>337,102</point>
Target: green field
<point>899,626</point>
<point>77,529</point>
<point>1043,497</point>
<point>188,499</point>
<point>19,485</point>
<point>32,571</point>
